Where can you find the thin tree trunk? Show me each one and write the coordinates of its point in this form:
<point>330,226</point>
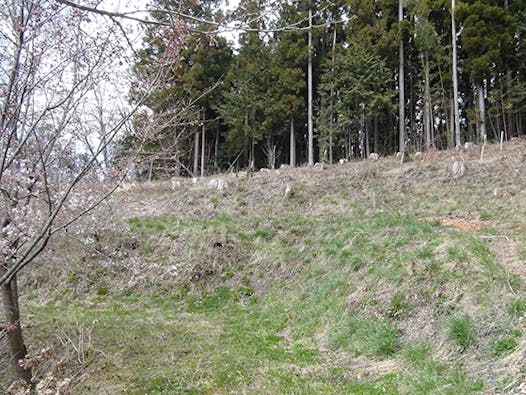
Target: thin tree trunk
<point>432,126</point>
<point>292,143</point>
<point>503,113</point>
<point>451,124</point>
<point>196,153</point>
<point>253,154</point>
<point>246,142</point>
<point>509,82</point>
<point>309,77</point>
<point>367,139</point>
<point>216,150</point>
<point>482,112</point>
<point>15,341</point>
<point>330,134</point>
<point>509,113</point>
<point>401,92</point>
<point>375,135</point>
<point>333,62</point>
<point>456,114</point>
<point>412,112</point>
<point>203,146</point>
<point>427,104</point>
<point>150,170</point>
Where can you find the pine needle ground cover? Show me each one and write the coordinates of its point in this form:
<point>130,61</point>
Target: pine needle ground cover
<point>364,278</point>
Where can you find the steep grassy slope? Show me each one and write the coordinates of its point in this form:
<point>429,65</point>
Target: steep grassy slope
<point>365,278</point>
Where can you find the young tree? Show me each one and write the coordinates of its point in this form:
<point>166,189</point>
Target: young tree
<point>51,171</point>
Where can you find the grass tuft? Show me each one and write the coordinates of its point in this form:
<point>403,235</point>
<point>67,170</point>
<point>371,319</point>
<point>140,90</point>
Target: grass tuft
<point>362,336</point>
<point>461,331</point>
<point>517,308</point>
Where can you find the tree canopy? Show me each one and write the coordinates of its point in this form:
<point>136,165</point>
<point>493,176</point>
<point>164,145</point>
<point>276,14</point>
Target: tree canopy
<point>261,99</point>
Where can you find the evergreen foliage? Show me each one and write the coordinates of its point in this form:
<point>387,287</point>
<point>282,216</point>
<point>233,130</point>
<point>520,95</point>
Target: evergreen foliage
<point>253,93</point>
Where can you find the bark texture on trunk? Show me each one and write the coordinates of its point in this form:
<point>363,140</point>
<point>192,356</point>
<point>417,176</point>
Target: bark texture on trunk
<point>482,112</point>
<point>203,146</point>
<point>309,104</point>
<point>401,88</point>
<point>456,111</point>
<point>15,341</point>
<point>427,104</point>
<point>196,153</point>
<point>292,143</point>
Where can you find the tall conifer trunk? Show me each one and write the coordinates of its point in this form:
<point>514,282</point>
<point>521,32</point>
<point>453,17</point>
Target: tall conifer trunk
<point>203,146</point>
<point>401,88</point>
<point>196,153</point>
<point>509,85</point>
<point>427,104</point>
<point>450,125</point>
<point>376,148</point>
<point>333,62</point>
<point>482,111</point>
<point>309,104</point>
<point>292,143</point>
<point>456,112</point>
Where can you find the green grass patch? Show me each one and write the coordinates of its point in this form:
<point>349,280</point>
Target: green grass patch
<point>363,336</point>
<point>503,346</point>
<point>398,307</point>
<point>461,331</point>
<point>517,308</point>
<point>426,375</point>
<point>294,281</point>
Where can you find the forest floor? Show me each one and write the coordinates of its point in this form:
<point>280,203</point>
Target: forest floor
<point>371,277</point>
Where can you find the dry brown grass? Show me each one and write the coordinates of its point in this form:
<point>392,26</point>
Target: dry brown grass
<point>202,257</point>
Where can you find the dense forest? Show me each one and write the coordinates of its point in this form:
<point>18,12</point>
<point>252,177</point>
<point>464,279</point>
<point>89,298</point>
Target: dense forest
<point>380,75</point>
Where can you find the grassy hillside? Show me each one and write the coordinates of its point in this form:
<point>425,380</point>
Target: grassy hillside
<point>362,278</point>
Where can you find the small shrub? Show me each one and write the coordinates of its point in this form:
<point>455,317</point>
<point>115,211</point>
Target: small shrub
<point>461,332</point>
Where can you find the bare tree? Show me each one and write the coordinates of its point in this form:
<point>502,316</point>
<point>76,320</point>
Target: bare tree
<point>53,63</point>
<point>270,152</point>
